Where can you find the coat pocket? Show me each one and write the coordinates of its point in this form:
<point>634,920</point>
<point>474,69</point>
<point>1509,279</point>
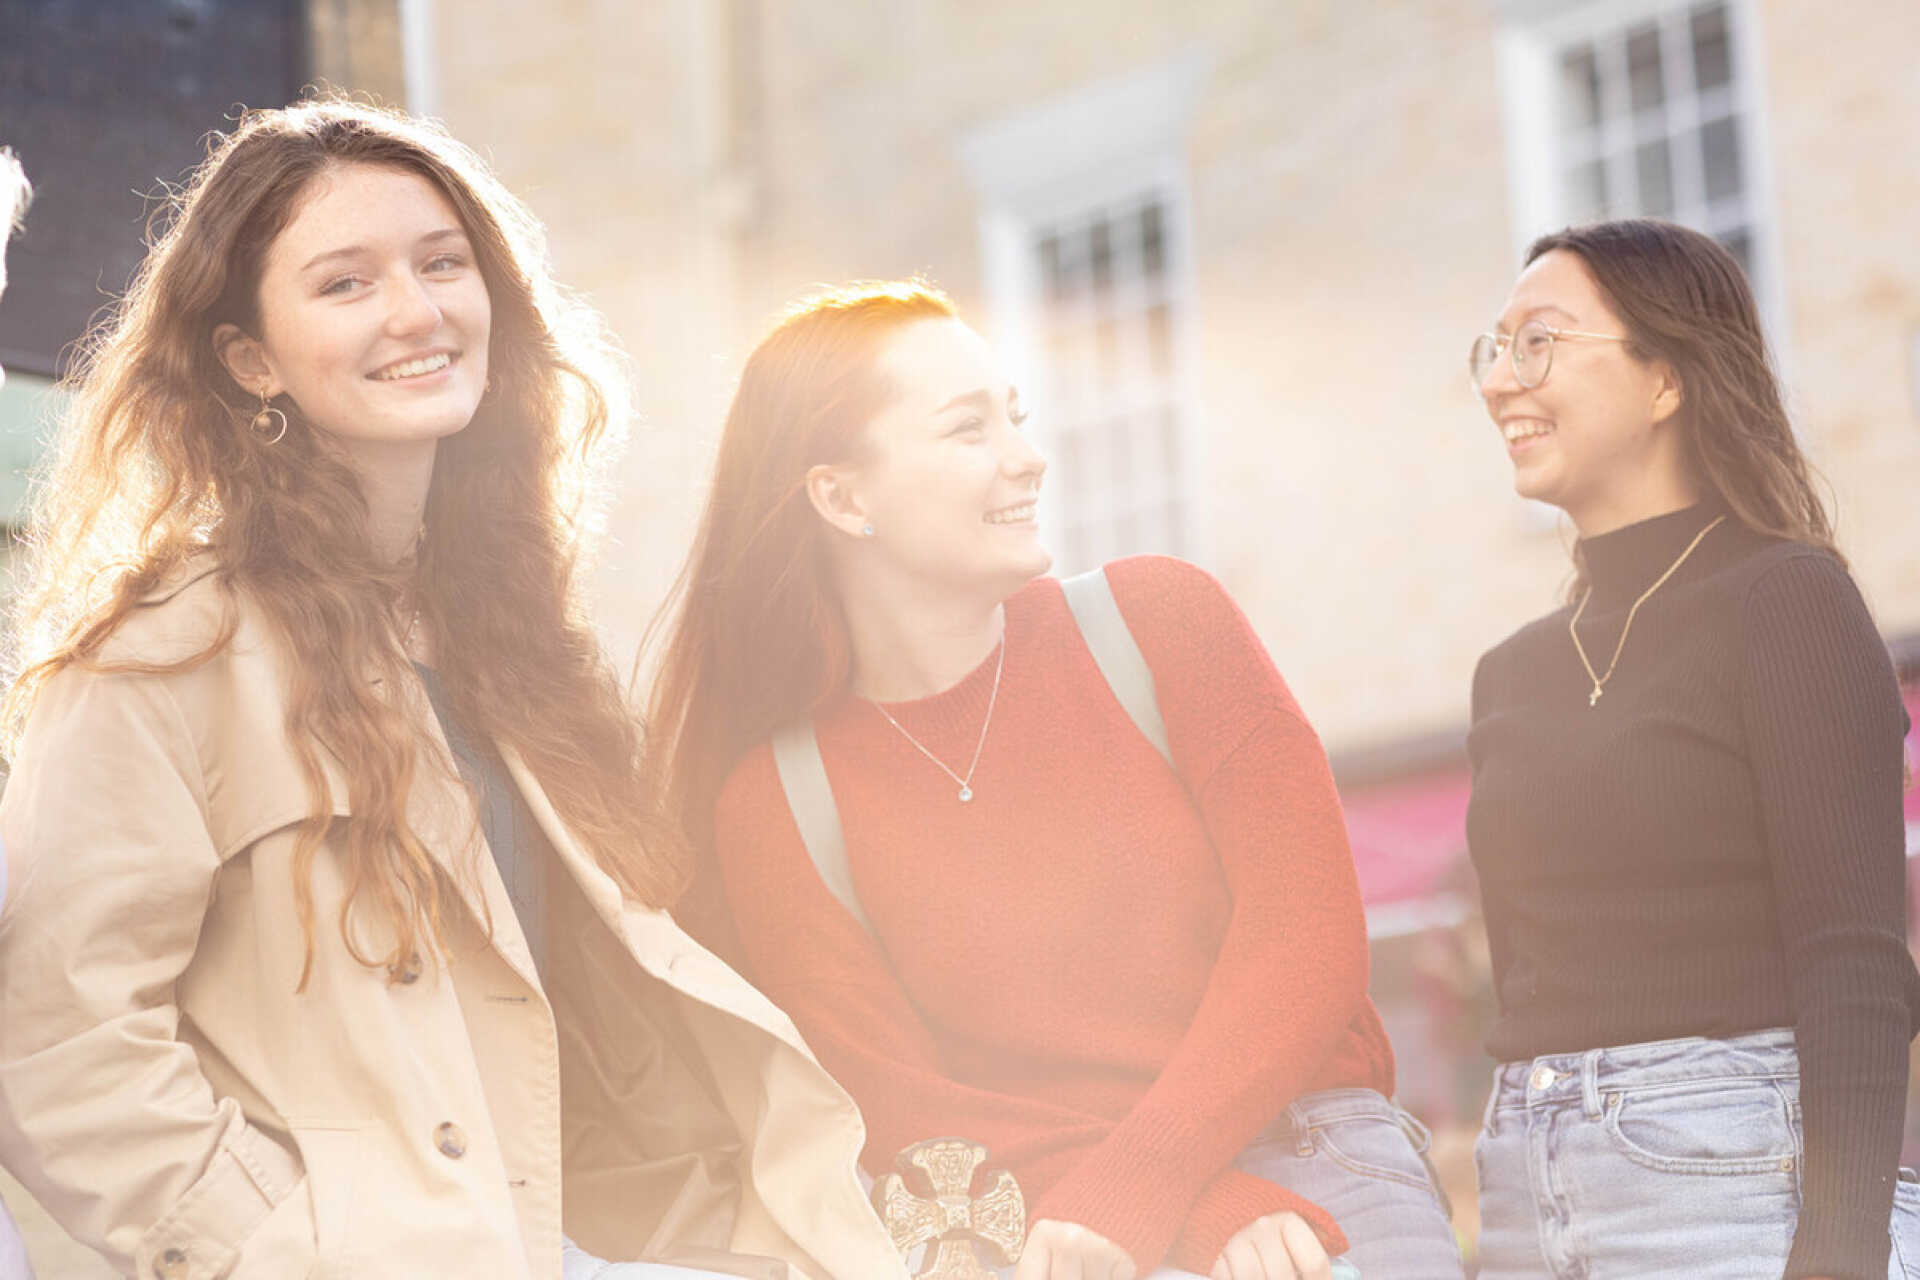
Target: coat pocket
<point>282,1247</point>
<point>334,1159</point>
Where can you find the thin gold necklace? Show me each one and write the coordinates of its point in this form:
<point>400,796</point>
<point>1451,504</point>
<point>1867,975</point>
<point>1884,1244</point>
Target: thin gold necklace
<point>1573,623</point>
<point>966,783</point>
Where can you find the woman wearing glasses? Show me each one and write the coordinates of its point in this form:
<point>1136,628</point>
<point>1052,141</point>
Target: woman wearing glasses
<point>1142,988</point>
<point>1687,807</point>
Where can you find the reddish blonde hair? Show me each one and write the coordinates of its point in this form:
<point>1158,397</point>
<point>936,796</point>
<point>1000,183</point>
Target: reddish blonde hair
<point>154,463</point>
<point>756,636</point>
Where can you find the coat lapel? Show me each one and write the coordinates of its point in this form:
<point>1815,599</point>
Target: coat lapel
<point>660,945</point>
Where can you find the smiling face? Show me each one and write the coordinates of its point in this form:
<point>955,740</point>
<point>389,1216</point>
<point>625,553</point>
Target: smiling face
<point>1599,437</point>
<point>949,481</point>
<point>374,318</point>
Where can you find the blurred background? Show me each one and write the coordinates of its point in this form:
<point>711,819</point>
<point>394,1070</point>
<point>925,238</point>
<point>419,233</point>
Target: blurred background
<point>1233,250</point>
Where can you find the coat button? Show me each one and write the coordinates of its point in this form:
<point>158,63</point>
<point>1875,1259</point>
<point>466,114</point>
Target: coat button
<point>409,971</point>
<point>171,1265</point>
<point>451,1140</point>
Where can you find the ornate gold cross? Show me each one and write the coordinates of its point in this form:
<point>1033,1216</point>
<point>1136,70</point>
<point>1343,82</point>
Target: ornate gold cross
<point>954,1219</point>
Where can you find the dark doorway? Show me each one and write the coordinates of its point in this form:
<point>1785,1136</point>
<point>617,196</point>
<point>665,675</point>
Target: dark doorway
<point>105,102</point>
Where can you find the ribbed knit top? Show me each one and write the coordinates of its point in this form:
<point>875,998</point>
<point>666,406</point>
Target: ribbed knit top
<point>1110,974</point>
<point>520,849</point>
<point>1717,846</point>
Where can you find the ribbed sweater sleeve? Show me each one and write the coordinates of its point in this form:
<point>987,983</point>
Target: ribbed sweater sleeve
<point>1292,971</point>
<point>1825,726</point>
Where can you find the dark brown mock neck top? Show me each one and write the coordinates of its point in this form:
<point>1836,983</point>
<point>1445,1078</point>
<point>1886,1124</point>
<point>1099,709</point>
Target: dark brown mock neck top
<point>1717,846</point>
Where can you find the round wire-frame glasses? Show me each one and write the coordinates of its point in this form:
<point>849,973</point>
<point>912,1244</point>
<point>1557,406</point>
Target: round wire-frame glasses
<point>1530,351</point>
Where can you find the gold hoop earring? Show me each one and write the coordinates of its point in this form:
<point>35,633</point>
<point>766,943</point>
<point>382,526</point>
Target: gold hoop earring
<point>269,425</point>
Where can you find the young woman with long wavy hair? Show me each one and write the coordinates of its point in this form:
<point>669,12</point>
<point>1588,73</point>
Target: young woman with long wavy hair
<point>1139,982</point>
<point>335,934</point>
<point>1686,807</point>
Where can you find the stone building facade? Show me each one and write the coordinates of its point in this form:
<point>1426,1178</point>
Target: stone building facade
<point>1344,193</point>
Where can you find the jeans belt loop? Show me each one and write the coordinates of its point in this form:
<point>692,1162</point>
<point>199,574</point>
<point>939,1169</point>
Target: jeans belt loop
<point>1302,1130</point>
<point>1410,1124</point>
<point>1590,1083</point>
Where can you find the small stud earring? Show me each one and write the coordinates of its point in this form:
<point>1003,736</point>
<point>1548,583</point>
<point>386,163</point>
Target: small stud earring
<point>866,531</point>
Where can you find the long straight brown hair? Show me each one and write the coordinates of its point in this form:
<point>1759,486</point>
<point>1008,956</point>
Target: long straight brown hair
<point>154,463</point>
<point>753,634</point>
<point>1684,299</point>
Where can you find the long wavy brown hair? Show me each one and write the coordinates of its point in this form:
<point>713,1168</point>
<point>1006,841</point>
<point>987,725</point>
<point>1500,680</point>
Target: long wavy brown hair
<point>1685,299</point>
<point>154,463</point>
<point>753,634</point>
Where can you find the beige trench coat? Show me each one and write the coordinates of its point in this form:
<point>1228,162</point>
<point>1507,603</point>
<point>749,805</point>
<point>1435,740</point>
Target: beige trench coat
<point>171,1100</point>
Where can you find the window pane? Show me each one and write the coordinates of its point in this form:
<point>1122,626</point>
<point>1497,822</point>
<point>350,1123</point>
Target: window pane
<point>1065,356</point>
<point>1587,191</point>
<point>1579,88</point>
<point>1050,264</point>
<point>1712,48</point>
<point>1064,263</point>
<point>1643,68</point>
<point>1720,158</point>
<point>1106,345</point>
<point>1102,253</point>
<point>1655,165</point>
<point>1153,249</point>
<point>1160,340</point>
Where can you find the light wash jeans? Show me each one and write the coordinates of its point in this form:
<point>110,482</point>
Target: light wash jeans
<point>1673,1158</point>
<point>1363,1160</point>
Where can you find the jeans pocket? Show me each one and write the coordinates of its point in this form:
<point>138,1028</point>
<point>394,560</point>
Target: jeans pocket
<point>1374,1146</point>
<point>1731,1127</point>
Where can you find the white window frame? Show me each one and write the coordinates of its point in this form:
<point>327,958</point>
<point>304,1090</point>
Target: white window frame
<point>1111,144</point>
<point>419,66</point>
<point>1531,37</point>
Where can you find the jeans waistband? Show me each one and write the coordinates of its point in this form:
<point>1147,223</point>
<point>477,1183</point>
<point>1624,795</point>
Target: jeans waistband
<point>1585,1076</point>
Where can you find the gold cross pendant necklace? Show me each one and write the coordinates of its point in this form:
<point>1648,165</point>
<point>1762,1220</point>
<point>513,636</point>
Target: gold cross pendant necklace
<point>1573,623</point>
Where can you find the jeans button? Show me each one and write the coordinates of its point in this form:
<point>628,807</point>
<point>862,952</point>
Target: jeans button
<point>1543,1077</point>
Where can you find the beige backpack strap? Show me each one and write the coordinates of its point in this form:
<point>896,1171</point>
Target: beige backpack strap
<point>1090,597</point>
<point>803,776</point>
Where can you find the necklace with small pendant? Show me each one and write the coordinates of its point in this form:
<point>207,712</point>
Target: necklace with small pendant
<point>965,782</point>
<point>1573,623</point>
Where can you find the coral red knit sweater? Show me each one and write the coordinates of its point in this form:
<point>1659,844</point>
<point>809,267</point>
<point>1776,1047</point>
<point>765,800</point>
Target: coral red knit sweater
<point>1112,976</point>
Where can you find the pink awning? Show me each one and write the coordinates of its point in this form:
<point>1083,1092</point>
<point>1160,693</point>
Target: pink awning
<point>1407,834</point>
<point>1911,693</point>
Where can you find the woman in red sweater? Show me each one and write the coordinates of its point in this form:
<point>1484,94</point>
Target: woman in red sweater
<point>1141,988</point>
